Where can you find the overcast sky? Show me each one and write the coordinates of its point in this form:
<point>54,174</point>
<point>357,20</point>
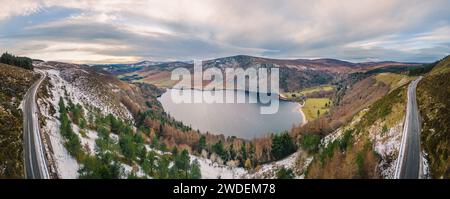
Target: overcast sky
<point>108,31</point>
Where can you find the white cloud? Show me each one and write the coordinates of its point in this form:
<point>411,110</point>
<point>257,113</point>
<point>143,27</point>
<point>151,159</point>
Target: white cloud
<point>17,8</point>
<point>177,29</point>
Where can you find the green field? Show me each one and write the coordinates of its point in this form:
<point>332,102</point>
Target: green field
<point>314,105</point>
<point>308,91</point>
<point>163,82</point>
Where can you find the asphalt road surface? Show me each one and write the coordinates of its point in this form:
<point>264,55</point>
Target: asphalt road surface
<point>35,163</point>
<point>410,155</point>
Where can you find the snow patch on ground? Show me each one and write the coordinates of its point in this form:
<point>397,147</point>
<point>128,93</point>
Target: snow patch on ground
<point>387,145</point>
<point>87,141</point>
<point>155,150</point>
<point>331,138</point>
<point>136,169</point>
<point>79,96</point>
<point>425,166</point>
<point>67,167</point>
<point>212,170</point>
<point>269,170</point>
<point>209,170</point>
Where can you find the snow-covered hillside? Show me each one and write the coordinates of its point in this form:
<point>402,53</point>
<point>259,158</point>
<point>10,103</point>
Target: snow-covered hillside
<point>79,91</point>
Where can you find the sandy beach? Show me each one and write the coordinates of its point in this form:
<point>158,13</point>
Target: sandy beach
<point>303,114</point>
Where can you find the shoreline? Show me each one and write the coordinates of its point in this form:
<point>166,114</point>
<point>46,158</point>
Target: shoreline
<point>281,97</point>
<point>303,115</point>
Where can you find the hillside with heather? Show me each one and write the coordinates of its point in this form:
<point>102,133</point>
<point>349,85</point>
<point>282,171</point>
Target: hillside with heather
<point>15,82</point>
<point>433,94</point>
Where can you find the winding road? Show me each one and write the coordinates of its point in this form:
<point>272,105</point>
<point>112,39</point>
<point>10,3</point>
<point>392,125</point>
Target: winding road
<point>35,163</point>
<point>409,164</point>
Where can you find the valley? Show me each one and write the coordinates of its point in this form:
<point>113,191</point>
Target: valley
<point>326,103</point>
<point>224,99</point>
<point>94,125</point>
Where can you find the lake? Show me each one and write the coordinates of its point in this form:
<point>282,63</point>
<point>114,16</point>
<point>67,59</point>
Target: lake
<point>242,120</point>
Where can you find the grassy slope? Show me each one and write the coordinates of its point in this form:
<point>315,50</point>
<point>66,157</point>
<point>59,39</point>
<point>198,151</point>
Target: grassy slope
<point>433,95</point>
<point>15,82</point>
<point>312,105</point>
<point>309,91</point>
<point>393,80</point>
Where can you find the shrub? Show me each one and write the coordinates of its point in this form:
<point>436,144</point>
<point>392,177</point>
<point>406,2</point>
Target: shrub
<point>346,140</point>
<point>195,170</point>
<point>310,142</point>
<point>284,173</point>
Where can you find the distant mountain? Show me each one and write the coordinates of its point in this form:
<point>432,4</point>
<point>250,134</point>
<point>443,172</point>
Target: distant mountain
<point>146,63</point>
<point>245,61</point>
<point>118,69</point>
<point>294,73</point>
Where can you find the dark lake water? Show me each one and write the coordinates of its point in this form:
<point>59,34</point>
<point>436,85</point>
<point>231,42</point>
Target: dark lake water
<point>242,120</point>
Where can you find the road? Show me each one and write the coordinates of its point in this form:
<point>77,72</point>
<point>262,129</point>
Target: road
<point>409,164</point>
<point>35,163</point>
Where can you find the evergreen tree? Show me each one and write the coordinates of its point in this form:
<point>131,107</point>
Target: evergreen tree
<point>155,142</point>
<point>151,158</point>
<point>62,107</point>
<point>201,143</point>
<point>163,167</point>
<point>174,172</point>
<point>182,162</point>
<point>231,153</point>
<point>72,141</point>
<point>195,170</point>
<point>141,152</point>
<point>127,146</point>
<point>77,113</point>
<point>175,151</point>
<point>219,149</point>
<point>103,167</point>
<point>23,62</point>
<point>243,152</point>
<point>282,145</point>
